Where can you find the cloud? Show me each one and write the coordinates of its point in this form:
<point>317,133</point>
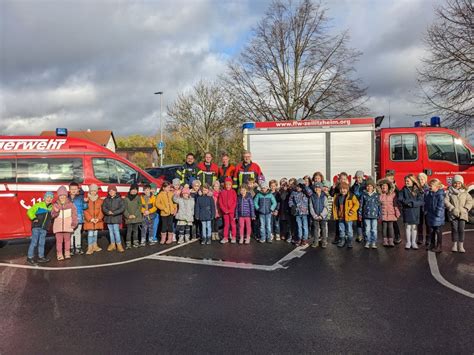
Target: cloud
<point>96,64</point>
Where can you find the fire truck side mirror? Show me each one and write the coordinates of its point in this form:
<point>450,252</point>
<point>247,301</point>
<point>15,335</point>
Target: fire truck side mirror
<point>428,172</point>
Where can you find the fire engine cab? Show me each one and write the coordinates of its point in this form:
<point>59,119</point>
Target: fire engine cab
<point>298,148</point>
<point>30,166</point>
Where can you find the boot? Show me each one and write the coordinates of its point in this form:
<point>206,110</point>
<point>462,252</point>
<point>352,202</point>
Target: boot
<point>390,242</point>
<point>455,247</point>
<point>187,238</point>
<point>90,250</point>
<point>341,242</point>
<point>414,245</point>
<point>461,247</point>
<point>111,247</point>
<point>163,238</point>
<point>96,247</point>
<point>385,242</point>
<point>120,248</point>
<point>181,239</point>
<point>67,254</point>
<point>170,238</point>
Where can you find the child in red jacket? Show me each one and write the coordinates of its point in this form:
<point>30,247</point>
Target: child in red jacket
<point>227,205</point>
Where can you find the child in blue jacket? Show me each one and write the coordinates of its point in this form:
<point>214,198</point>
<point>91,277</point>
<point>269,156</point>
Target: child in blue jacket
<point>318,208</point>
<point>300,209</point>
<point>434,211</point>
<point>369,212</point>
<point>265,204</point>
<point>205,212</point>
<point>76,195</point>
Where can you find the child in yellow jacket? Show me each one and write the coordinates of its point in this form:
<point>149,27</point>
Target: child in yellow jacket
<point>168,209</point>
<point>149,215</point>
<point>344,210</point>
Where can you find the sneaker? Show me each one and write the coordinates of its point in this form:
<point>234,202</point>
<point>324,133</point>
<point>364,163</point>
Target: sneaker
<point>304,242</point>
<point>349,245</point>
<point>315,245</point>
<point>247,241</point>
<point>398,240</point>
<point>261,240</point>
<point>373,246</point>
<point>31,261</point>
<point>181,240</point>
<point>143,244</point>
<point>60,258</point>
<point>43,260</point>
<point>335,241</point>
<point>270,240</point>
<point>79,251</point>
<point>414,246</point>
<point>359,239</point>
<point>324,245</point>
<point>407,245</point>
<point>136,245</point>
<point>208,242</point>
<point>224,241</point>
<point>277,237</point>
<point>203,242</point>
<point>71,252</point>
<point>128,246</point>
<point>241,241</point>
<point>186,238</point>
<point>288,240</point>
<point>153,242</point>
<point>367,245</point>
<point>341,243</point>
<point>233,241</point>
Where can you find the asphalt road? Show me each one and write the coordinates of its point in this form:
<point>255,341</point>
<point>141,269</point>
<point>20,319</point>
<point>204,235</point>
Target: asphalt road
<point>333,300</point>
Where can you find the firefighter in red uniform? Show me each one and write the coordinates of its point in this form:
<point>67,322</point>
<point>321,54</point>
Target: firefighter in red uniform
<point>247,169</point>
<point>226,169</point>
<point>210,170</point>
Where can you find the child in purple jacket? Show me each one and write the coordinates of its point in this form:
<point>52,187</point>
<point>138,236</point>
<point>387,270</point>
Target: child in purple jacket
<point>245,212</point>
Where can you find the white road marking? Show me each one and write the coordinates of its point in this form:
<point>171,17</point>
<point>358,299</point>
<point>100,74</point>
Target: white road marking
<point>296,253</point>
<point>19,266</point>
<point>433,262</point>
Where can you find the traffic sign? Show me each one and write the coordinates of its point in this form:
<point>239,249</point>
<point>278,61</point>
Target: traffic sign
<point>161,145</point>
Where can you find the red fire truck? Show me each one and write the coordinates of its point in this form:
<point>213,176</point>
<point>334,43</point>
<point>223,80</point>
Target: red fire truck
<point>298,148</point>
<point>29,166</point>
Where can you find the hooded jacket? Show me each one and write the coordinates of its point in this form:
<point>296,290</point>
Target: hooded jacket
<point>434,208</point>
<point>40,215</point>
<point>80,204</point>
<point>369,205</point>
<point>349,208</point>
<point>299,200</point>
<point>133,207</point>
<point>185,208</point>
<point>458,203</point>
<point>411,200</point>
<point>65,217</point>
<point>318,206</point>
<point>164,202</point>
<point>227,201</point>
<point>94,211</point>
<point>265,203</point>
<point>116,206</point>
<point>205,209</point>
<point>245,206</point>
<point>388,202</point>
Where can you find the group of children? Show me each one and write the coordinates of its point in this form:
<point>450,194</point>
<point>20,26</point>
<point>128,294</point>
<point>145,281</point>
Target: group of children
<point>294,210</point>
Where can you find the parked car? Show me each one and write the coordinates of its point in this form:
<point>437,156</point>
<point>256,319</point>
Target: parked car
<point>165,172</point>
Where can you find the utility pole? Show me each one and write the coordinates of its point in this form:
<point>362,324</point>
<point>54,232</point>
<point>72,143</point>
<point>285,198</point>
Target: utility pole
<point>161,144</point>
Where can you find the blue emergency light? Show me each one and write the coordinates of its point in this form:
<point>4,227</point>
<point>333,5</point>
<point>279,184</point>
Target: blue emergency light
<point>419,124</point>
<point>435,121</point>
<point>61,132</point>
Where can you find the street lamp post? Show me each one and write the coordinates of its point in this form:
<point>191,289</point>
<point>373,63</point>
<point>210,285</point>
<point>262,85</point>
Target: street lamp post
<point>161,147</point>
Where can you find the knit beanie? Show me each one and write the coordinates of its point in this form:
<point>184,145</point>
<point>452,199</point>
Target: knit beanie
<point>134,187</point>
<point>49,194</point>
<point>62,191</point>
<point>228,179</point>
<point>185,190</point>
<point>112,187</point>
<point>458,178</point>
<point>176,181</point>
<point>264,185</point>
<point>300,181</point>
<point>359,173</point>
<point>318,185</point>
<point>153,186</point>
<point>327,183</point>
<point>370,182</point>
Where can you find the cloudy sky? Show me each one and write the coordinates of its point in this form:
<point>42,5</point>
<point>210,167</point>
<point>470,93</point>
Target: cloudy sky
<point>96,63</point>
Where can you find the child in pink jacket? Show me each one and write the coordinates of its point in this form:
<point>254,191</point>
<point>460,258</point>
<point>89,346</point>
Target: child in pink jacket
<point>64,214</point>
<point>390,210</point>
<point>227,205</point>
<point>216,222</point>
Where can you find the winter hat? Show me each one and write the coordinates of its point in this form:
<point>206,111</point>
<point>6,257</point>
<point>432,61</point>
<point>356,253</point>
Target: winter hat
<point>318,185</point>
<point>153,186</point>
<point>370,182</point>
<point>48,194</point>
<point>93,187</point>
<point>359,173</point>
<point>134,187</point>
<point>185,190</point>
<point>458,178</point>
<point>300,182</point>
<point>112,187</point>
<point>62,191</point>
<point>176,181</point>
<point>264,185</point>
<point>326,183</point>
<point>228,179</point>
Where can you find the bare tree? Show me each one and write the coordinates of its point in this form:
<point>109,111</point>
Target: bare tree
<point>205,115</point>
<point>447,75</point>
<point>294,69</point>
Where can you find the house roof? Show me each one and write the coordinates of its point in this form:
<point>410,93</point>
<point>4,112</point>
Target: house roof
<point>99,137</point>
